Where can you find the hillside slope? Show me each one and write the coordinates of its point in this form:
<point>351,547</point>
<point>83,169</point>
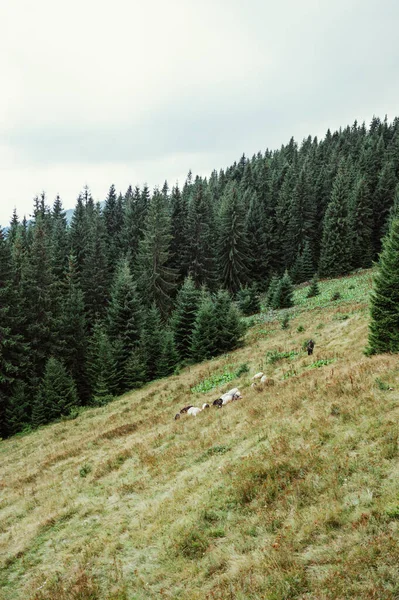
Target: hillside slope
<point>291,492</point>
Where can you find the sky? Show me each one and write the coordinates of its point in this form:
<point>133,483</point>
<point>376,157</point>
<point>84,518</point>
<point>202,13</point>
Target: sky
<point>96,93</point>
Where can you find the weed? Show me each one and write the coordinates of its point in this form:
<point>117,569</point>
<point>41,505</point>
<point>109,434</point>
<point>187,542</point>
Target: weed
<point>85,470</point>
<point>322,362</point>
<point>192,544</point>
<point>300,328</point>
<point>285,321</point>
<point>219,379</point>
<point>335,296</point>
<point>385,387</point>
<point>274,356</point>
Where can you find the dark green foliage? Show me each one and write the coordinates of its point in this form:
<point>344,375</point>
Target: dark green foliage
<point>199,259</point>
<point>218,327</point>
<point>283,295</point>
<point>314,289</point>
<point>169,356</point>
<point>203,343</point>
<point>335,248</point>
<point>156,280</point>
<point>18,409</point>
<point>384,308</point>
<point>56,394</point>
<point>234,250</point>
<point>273,285</point>
<point>135,368</point>
<point>361,225</point>
<point>184,315</point>
<point>72,339</point>
<point>248,300</point>
<point>152,341</point>
<point>95,273</point>
<point>303,269</point>
<point>101,366</point>
<point>124,319</point>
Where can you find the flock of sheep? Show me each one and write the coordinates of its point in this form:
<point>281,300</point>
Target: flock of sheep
<point>230,396</point>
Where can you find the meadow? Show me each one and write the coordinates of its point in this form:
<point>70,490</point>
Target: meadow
<point>290,493</point>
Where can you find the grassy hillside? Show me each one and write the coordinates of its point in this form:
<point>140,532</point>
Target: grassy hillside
<point>291,492</point>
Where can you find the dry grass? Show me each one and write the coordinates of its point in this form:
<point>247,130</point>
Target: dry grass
<point>291,492</point>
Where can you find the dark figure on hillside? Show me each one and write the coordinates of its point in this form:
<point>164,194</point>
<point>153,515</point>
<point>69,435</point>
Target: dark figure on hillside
<point>309,347</point>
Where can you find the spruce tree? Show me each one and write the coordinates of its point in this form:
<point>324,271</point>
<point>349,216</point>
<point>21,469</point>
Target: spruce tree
<point>156,280</point>
<point>314,289</point>
<point>199,259</point>
<point>169,356</point>
<point>273,285</point>
<point>124,318</point>
<point>17,409</point>
<point>283,296</point>
<point>361,225</point>
<point>95,273</point>
<point>203,341</point>
<point>57,392</point>
<point>335,248</point>
<point>184,315</point>
<point>384,305</point>
<point>72,339</point>
<point>101,366</point>
<point>152,341</point>
<point>248,300</point>
<point>229,326</point>
<point>233,245</point>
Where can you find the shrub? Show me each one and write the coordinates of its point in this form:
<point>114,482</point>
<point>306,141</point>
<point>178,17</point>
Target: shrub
<point>85,470</point>
<point>335,296</point>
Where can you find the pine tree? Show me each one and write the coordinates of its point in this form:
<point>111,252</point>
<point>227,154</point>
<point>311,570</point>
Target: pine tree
<point>271,290</point>
<point>13,350</point>
<point>124,317</point>
<point>169,356</point>
<point>72,338</point>
<point>361,225</point>
<point>203,341</point>
<point>335,248</point>
<point>382,201</point>
<point>152,341</point>
<point>314,289</point>
<point>135,369</point>
<point>229,326</point>
<point>184,315</point>
<point>199,257</point>
<point>179,232</point>
<point>101,366</point>
<point>156,280</point>
<point>39,298</point>
<point>248,300</point>
<point>256,231</point>
<point>57,391</point>
<point>233,251</point>
<point>384,306</point>
<point>95,274</point>
<point>78,233</point>
<point>17,409</point>
<point>59,240</point>
<point>283,295</point>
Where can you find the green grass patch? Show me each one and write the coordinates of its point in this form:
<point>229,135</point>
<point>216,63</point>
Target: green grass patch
<point>274,356</point>
<point>220,379</point>
<point>322,362</point>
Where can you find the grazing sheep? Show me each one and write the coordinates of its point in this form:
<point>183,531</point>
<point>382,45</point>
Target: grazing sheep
<point>185,409</point>
<point>218,402</point>
<point>263,379</point>
<point>194,410</point>
<point>258,375</point>
<point>206,405</point>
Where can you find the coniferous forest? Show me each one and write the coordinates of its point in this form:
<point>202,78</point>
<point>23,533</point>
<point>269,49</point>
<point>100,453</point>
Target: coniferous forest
<point>148,281</point>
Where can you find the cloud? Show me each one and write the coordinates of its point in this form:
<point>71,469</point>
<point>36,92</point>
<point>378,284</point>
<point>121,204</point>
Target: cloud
<point>92,90</point>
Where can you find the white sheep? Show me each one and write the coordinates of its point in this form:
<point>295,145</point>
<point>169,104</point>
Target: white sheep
<point>258,375</point>
<point>263,379</point>
<point>194,410</point>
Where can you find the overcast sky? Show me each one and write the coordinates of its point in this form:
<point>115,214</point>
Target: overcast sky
<point>98,92</point>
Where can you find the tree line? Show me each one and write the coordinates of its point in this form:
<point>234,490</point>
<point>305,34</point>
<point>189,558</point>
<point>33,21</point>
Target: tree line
<point>131,289</point>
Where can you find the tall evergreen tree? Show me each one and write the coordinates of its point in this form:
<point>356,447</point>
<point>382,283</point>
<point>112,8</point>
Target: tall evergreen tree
<point>101,366</point>
<point>57,393</point>
<point>335,249</point>
<point>156,280</point>
<point>361,225</point>
<point>384,307</point>
<point>184,315</point>
<point>234,251</point>
<point>152,341</point>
